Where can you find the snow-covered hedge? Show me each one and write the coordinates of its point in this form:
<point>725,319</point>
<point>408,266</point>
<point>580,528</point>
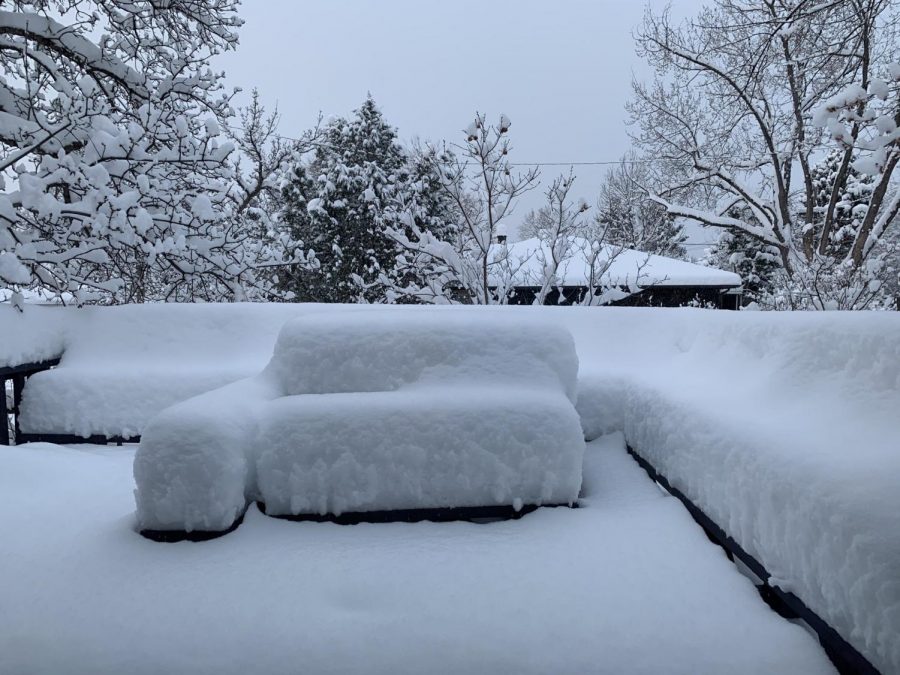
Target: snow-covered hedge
<point>370,412</point>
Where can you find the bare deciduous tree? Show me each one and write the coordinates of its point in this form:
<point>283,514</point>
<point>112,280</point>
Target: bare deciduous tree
<point>484,189</point>
<point>736,113</point>
<point>564,222</point>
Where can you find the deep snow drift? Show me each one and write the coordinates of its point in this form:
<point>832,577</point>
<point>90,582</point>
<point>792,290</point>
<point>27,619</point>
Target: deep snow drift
<point>372,412</point>
<point>627,584</point>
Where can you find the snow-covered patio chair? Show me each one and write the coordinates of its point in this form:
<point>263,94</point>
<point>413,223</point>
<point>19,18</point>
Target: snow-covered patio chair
<point>374,412</point>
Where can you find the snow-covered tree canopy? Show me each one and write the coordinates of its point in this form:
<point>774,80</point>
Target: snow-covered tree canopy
<point>634,220</point>
<point>114,172</point>
<point>749,96</point>
<point>336,202</point>
<point>343,202</point>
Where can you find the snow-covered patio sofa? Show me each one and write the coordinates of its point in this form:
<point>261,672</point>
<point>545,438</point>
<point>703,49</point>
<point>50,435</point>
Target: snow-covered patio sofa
<point>121,365</point>
<point>362,412</point>
<point>784,429</point>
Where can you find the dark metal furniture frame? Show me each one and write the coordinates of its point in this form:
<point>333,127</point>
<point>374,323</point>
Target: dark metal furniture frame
<point>17,374</point>
<point>843,655</point>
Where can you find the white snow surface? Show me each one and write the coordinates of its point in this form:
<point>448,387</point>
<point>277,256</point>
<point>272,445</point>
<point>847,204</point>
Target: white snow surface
<point>30,336</point>
<point>783,427</point>
<point>337,352</point>
<point>418,448</point>
<point>626,584</point>
<point>628,267</point>
<point>123,365</point>
<point>374,411</point>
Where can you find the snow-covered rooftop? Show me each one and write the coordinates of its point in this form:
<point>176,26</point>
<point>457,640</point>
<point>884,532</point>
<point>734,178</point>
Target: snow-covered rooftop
<point>628,267</point>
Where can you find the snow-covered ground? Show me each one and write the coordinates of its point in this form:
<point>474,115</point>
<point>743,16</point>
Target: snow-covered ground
<point>627,584</point>
<point>782,427</point>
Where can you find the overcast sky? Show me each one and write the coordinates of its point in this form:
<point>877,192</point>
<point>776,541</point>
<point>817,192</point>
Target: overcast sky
<point>560,69</point>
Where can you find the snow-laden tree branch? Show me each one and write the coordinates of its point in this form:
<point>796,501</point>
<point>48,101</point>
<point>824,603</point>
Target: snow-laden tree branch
<point>118,183</point>
<point>749,96</point>
<point>484,189</point>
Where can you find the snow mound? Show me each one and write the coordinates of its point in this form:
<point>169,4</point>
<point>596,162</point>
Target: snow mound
<point>418,448</point>
<point>368,412</point>
<point>386,350</point>
<point>31,336</point>
<point>192,468</point>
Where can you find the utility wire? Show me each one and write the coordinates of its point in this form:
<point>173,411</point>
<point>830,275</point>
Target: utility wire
<point>608,162</point>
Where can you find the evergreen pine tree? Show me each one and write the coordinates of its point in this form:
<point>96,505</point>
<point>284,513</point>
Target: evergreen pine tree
<point>338,204</point>
<point>757,264</point>
<point>852,201</point>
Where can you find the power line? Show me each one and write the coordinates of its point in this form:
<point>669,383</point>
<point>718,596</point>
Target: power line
<point>608,162</point>
<point>600,163</point>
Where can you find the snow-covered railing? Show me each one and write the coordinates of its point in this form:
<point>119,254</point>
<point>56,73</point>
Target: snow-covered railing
<point>13,377</point>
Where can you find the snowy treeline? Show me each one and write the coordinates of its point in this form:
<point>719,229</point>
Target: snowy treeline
<point>118,181</point>
<point>129,175</point>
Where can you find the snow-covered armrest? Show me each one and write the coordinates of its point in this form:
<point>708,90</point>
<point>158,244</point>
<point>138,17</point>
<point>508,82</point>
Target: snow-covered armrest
<point>192,467</point>
<point>374,412</point>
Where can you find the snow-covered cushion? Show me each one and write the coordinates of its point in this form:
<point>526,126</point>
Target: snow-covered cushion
<point>387,350</point>
<point>372,412</point>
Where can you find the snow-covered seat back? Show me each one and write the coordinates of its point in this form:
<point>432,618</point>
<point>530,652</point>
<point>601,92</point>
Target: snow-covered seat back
<point>122,365</point>
<point>332,353</point>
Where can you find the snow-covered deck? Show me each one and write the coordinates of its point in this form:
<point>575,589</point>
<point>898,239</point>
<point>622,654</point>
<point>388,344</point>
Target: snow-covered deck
<point>629,583</point>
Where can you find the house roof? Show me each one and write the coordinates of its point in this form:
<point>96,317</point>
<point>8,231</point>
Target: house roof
<point>627,268</point>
